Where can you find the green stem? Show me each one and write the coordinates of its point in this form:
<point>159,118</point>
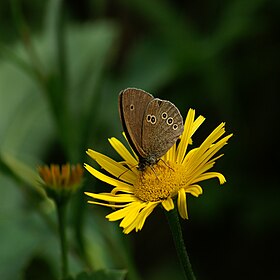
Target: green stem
<point>175,227</point>
<point>61,210</point>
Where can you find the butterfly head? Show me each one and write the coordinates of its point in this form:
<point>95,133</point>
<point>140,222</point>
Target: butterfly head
<point>147,161</point>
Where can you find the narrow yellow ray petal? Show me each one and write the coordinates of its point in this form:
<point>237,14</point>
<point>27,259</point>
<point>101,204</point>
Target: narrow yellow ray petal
<point>105,178</point>
<point>196,168</point>
<point>199,162</point>
<point>201,168</point>
<point>194,190</point>
<point>196,124</point>
<point>123,152</point>
<point>128,229</point>
<point>120,198</point>
<point>204,152</point>
<point>112,166</point>
<point>131,216</point>
<point>185,139</point>
<point>210,175</point>
<point>144,214</point>
<point>171,154</point>
<point>214,148</point>
<point>182,204</point>
<point>120,214</point>
<point>168,204</point>
<point>107,205</point>
<point>128,189</point>
<point>189,156</point>
<point>213,137</point>
<point>138,223</point>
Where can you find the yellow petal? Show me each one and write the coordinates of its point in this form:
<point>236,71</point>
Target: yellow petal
<point>128,189</point>
<point>198,168</point>
<point>194,190</point>
<point>129,229</point>
<point>120,214</point>
<point>213,137</point>
<point>105,178</point>
<point>182,204</point>
<point>132,215</point>
<point>144,214</point>
<point>210,175</point>
<point>113,167</point>
<point>168,204</point>
<point>185,139</point>
<point>107,204</point>
<point>196,159</point>
<point>214,148</point>
<point>171,154</point>
<point>141,218</point>
<point>196,124</point>
<point>123,152</point>
<point>130,146</point>
<point>121,198</point>
<point>189,156</point>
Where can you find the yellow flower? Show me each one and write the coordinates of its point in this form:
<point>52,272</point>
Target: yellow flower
<point>136,193</point>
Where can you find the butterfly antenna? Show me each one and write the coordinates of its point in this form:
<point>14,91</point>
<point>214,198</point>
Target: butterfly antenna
<point>129,168</point>
<point>167,164</point>
<point>154,172</point>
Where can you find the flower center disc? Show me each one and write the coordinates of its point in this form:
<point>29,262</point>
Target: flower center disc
<point>159,181</point>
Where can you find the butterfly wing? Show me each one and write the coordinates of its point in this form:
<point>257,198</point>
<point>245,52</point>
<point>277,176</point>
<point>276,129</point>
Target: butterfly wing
<point>162,126</point>
<point>132,106</point>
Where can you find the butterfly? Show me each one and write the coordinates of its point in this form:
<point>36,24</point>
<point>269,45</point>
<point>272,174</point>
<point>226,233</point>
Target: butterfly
<point>152,126</point>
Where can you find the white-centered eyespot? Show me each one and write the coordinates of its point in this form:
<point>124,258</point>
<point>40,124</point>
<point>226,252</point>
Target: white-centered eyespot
<point>169,121</point>
<point>164,115</point>
<point>153,119</point>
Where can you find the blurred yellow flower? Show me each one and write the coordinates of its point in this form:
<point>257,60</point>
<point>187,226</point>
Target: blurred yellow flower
<point>61,181</point>
<point>137,193</point>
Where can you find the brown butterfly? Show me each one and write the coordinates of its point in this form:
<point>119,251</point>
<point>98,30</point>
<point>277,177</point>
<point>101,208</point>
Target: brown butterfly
<point>152,126</point>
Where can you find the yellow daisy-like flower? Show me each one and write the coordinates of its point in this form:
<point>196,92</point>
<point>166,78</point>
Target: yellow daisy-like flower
<point>137,193</point>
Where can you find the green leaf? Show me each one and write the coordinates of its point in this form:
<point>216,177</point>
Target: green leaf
<point>25,123</point>
<point>106,274</point>
<point>24,172</point>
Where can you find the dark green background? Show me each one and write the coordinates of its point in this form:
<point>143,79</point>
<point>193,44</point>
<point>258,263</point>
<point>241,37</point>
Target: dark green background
<point>218,57</point>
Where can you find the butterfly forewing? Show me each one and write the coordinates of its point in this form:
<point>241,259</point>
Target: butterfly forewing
<point>162,126</point>
<point>132,106</point>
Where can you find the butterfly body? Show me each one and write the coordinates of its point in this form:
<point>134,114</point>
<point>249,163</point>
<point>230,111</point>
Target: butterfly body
<point>152,125</point>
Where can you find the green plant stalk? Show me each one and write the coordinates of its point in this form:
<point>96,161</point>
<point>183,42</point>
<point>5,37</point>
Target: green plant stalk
<point>175,227</point>
<point>61,211</point>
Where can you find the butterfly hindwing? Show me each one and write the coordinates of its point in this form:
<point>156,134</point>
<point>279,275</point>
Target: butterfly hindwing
<point>162,126</point>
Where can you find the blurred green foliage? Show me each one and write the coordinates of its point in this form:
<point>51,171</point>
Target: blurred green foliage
<point>62,66</point>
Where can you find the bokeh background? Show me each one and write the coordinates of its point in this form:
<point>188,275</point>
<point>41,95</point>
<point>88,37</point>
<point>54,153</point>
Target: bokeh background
<point>62,65</point>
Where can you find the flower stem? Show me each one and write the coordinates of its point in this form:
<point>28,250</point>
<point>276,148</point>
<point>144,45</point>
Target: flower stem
<point>175,227</point>
<point>61,210</point>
